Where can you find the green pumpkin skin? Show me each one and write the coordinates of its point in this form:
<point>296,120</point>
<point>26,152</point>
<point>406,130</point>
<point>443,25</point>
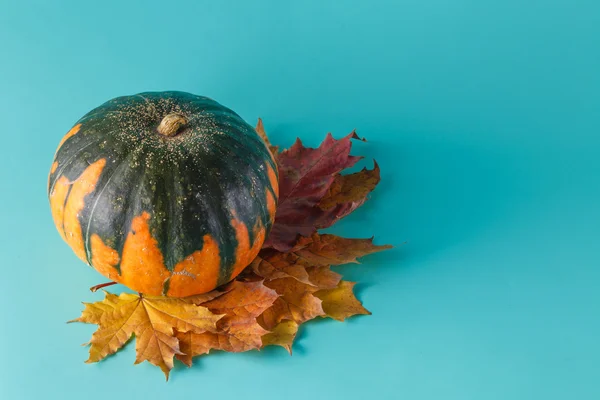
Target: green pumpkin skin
<point>175,209</point>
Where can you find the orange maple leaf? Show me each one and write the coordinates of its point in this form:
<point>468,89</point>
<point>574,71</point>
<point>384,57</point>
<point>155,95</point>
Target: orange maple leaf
<point>297,303</point>
<point>238,330</point>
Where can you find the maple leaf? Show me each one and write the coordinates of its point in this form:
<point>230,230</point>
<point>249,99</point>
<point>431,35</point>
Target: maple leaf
<point>322,277</point>
<point>315,251</point>
<point>283,334</point>
<point>205,297</point>
<point>238,330</point>
<point>333,250</point>
<point>297,275</point>
<point>351,188</point>
<point>260,129</point>
<point>153,320</point>
<point>340,303</point>
<point>305,176</point>
<point>296,303</point>
<point>346,194</point>
<point>274,265</point>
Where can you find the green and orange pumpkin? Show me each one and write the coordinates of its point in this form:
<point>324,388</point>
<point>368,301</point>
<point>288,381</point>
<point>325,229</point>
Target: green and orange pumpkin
<point>168,193</point>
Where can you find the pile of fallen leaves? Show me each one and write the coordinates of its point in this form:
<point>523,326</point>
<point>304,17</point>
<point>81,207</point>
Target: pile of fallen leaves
<point>289,283</point>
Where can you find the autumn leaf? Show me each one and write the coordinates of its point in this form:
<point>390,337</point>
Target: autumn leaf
<point>340,303</point>
<point>274,265</point>
<point>305,176</point>
<point>283,334</point>
<point>322,277</point>
<point>296,303</point>
<point>333,250</point>
<point>346,194</point>
<point>315,251</point>
<point>238,330</point>
<point>152,319</point>
<point>244,300</point>
<point>205,297</point>
<point>299,301</point>
<point>260,129</point>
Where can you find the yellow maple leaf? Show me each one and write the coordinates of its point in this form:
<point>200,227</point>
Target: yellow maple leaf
<point>340,303</point>
<point>152,319</point>
<point>283,334</point>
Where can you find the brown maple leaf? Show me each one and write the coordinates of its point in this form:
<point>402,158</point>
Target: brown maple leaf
<point>346,194</point>
<point>238,330</point>
<point>315,251</point>
<point>333,250</point>
<point>274,265</point>
<point>305,176</point>
<point>152,319</point>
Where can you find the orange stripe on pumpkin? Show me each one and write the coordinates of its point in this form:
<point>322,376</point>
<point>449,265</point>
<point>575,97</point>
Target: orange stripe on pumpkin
<point>52,170</point>
<point>142,266</point>
<point>271,206</point>
<point>244,254</point>
<point>57,203</point>
<point>72,132</point>
<point>81,187</point>
<point>104,258</point>
<point>273,179</point>
<point>197,273</point>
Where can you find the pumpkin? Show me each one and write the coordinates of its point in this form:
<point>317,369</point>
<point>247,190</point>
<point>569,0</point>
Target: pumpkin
<point>168,193</point>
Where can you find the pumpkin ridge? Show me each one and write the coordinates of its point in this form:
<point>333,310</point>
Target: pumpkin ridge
<point>127,227</point>
<point>65,165</point>
<point>72,132</point>
<point>220,229</point>
<point>79,191</point>
<point>62,224</point>
<point>250,134</point>
<point>90,216</point>
<point>173,227</point>
<point>256,165</point>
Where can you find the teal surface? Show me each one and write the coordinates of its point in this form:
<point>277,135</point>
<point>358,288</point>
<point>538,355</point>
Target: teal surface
<point>484,116</point>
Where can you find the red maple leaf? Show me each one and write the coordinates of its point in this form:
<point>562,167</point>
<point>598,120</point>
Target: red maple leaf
<point>305,178</point>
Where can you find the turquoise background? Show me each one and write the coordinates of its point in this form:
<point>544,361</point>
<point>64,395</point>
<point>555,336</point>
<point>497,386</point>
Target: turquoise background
<point>484,116</point>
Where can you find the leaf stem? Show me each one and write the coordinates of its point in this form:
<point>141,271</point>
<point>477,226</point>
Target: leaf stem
<point>102,285</point>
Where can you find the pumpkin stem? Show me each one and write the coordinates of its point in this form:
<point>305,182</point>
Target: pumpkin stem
<point>102,285</point>
<point>171,124</point>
